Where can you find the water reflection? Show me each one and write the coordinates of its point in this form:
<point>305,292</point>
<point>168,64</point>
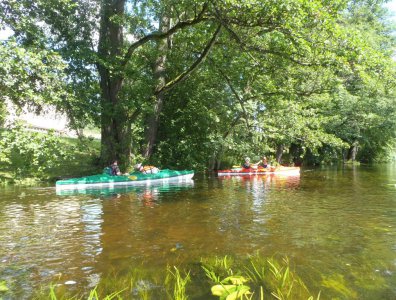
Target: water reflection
<point>45,241</point>
<point>251,204</point>
<point>153,188</point>
<point>333,223</point>
<point>259,185</point>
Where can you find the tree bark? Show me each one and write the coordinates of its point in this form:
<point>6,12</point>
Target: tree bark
<point>296,152</point>
<point>279,152</point>
<point>160,79</point>
<point>115,120</point>
<point>352,151</point>
<point>115,141</point>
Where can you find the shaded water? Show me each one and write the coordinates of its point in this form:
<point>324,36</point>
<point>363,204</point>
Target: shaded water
<point>335,225</point>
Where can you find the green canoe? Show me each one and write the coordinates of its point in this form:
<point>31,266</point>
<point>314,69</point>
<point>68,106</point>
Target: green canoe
<point>134,178</point>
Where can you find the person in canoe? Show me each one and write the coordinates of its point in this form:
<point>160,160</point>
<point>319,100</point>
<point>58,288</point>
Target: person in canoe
<point>146,169</point>
<point>247,164</point>
<point>263,163</point>
<point>115,169</point>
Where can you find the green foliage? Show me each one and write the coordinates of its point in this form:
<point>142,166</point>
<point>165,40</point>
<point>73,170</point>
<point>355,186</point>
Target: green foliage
<point>231,288</point>
<point>264,277</point>
<point>3,113</point>
<point>313,77</point>
<point>179,283</point>
<point>218,267</point>
<point>336,282</point>
<point>246,281</point>
<point>31,76</point>
<point>32,154</point>
<point>3,286</point>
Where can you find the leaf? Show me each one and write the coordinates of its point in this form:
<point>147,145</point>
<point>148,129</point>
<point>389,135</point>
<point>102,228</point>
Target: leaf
<point>220,290</point>
<point>241,291</point>
<point>3,286</point>
<point>237,280</point>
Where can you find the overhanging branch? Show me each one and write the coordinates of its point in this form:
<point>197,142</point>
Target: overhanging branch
<point>240,100</point>
<point>160,35</point>
<point>193,67</point>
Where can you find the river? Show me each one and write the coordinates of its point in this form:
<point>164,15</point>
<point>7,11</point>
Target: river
<point>335,224</point>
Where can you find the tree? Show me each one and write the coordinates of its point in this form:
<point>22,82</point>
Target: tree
<point>30,77</point>
<point>126,63</point>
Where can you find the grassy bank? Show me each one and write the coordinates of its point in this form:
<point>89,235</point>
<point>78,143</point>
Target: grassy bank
<point>64,158</point>
<point>83,162</point>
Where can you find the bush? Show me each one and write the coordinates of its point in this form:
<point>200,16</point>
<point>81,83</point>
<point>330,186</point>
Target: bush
<point>31,153</point>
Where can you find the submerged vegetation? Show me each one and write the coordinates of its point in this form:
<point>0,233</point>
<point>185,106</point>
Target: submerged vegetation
<point>222,278</point>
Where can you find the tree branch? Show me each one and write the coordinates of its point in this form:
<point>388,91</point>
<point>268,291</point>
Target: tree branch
<point>240,100</point>
<point>193,67</point>
<point>236,37</point>
<point>232,125</point>
<point>160,35</point>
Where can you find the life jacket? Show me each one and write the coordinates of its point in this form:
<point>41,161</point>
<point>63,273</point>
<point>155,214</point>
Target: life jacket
<point>115,169</point>
<point>246,166</point>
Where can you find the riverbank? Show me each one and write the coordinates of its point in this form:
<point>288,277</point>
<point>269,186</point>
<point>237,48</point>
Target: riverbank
<point>79,159</point>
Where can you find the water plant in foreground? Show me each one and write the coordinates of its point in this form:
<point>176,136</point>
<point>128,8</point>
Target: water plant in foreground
<point>3,286</point>
<point>231,288</point>
<point>253,278</point>
<point>179,283</point>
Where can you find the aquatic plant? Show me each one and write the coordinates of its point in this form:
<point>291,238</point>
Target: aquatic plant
<point>231,288</point>
<point>337,283</point>
<point>179,283</point>
<point>254,278</point>
<point>3,286</point>
<point>222,266</point>
<point>261,277</point>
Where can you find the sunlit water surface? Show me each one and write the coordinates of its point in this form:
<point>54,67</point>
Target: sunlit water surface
<point>334,224</point>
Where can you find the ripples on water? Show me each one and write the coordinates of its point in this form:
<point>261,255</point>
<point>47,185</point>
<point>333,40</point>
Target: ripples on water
<point>331,223</point>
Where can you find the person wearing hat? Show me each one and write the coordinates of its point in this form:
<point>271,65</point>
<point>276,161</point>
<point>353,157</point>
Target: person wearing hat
<point>246,164</point>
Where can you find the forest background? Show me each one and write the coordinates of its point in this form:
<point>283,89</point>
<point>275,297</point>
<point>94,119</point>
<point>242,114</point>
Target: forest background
<point>199,84</point>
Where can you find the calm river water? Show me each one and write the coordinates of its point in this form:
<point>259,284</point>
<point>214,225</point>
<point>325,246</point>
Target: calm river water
<point>334,224</point>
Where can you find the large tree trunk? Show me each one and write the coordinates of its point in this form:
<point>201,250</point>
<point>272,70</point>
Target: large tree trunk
<point>279,152</point>
<point>352,151</point>
<point>160,79</point>
<point>115,141</point>
<point>296,153</point>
